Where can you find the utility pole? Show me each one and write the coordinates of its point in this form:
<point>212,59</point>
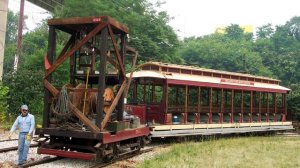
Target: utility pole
<point>3,19</point>
<point>19,40</point>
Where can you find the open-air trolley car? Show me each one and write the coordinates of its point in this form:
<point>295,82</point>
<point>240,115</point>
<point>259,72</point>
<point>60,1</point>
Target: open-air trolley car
<point>180,100</point>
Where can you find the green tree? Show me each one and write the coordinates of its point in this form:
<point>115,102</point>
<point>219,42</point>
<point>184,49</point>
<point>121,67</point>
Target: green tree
<point>265,31</point>
<point>25,87</point>
<point>3,103</point>
<point>148,29</point>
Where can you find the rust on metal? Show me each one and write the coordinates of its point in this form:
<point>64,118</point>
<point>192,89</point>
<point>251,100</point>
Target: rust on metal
<point>88,20</point>
<point>113,105</point>
<point>121,66</point>
<point>73,109</point>
<point>76,47</point>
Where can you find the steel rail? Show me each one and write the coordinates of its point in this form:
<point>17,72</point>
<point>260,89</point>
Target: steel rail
<point>14,148</point>
<point>46,159</point>
<point>123,157</point>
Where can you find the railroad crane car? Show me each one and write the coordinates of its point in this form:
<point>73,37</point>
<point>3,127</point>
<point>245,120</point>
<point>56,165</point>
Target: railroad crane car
<point>177,100</point>
<point>83,116</point>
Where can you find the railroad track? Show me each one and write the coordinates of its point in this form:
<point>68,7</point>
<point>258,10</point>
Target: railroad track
<point>46,159</point>
<point>123,157</point>
<point>7,140</point>
<point>15,148</point>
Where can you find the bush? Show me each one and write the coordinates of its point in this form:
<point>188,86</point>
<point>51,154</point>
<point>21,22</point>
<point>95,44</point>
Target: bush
<point>3,103</point>
<point>25,87</point>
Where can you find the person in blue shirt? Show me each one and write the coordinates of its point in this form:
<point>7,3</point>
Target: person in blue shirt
<point>26,124</point>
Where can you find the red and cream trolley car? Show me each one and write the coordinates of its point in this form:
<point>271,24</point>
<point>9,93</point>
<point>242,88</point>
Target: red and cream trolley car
<point>178,100</point>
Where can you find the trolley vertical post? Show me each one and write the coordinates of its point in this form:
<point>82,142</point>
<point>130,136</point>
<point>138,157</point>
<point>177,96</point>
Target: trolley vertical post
<point>50,56</point>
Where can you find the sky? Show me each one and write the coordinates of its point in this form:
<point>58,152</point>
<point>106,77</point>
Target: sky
<point>34,13</point>
<point>202,17</point>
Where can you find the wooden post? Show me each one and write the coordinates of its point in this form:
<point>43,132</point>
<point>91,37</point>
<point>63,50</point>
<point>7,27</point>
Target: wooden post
<point>101,81</point>
<point>51,56</point>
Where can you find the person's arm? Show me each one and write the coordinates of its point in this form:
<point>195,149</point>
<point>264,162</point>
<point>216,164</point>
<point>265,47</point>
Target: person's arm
<point>32,125</point>
<point>14,126</point>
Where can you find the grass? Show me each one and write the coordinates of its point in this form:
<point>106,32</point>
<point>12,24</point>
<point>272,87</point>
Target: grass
<point>239,152</point>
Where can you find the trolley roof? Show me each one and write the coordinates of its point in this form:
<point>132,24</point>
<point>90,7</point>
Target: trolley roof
<point>186,75</point>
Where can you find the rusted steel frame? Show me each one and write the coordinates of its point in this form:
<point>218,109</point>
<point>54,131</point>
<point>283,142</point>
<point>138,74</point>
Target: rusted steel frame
<point>210,105</point>
<point>131,73</point>
<point>113,105</point>
<point>75,111</point>
<point>122,77</point>
<point>251,106</point>
<point>50,88</point>
<point>120,61</point>
<point>83,90</point>
<point>93,61</point>
<point>101,79</point>
<point>242,106</point>
<point>112,61</point>
<point>232,106</point>
<point>117,25</point>
<point>109,58</point>
<point>87,20</point>
<point>67,46</point>
<point>72,62</point>
<point>50,57</point>
<point>267,107</point>
<point>259,107</point>
<point>222,105</point>
<point>130,49</point>
<point>76,20</point>
<point>83,118</point>
<point>74,48</point>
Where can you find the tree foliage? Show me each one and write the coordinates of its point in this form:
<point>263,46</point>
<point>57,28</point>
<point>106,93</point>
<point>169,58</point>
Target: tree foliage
<point>148,29</point>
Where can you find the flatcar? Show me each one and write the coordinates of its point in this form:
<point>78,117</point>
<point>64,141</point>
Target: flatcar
<point>83,114</point>
<point>176,100</point>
